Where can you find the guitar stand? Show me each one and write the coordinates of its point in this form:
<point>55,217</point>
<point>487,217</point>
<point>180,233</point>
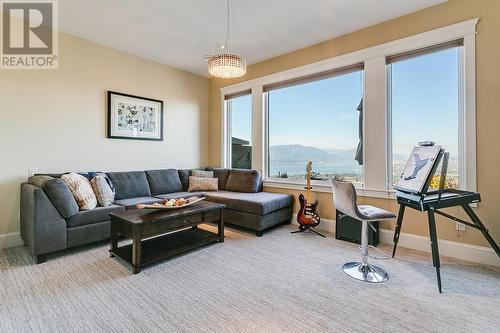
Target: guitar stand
<point>303,229</point>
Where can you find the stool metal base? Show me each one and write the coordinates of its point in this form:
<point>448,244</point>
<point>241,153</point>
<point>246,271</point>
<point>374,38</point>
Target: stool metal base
<point>367,273</point>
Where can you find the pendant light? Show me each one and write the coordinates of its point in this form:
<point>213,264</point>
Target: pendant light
<point>225,64</point>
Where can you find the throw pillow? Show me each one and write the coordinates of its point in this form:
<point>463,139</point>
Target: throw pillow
<point>202,184</point>
<point>202,174</point>
<point>81,189</point>
<point>103,192</point>
<point>248,181</point>
<point>92,174</point>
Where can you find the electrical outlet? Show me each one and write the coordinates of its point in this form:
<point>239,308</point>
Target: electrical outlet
<point>32,171</point>
<point>460,226</point>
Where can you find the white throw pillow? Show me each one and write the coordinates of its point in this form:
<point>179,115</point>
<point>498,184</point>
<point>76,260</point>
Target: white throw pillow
<point>203,184</point>
<point>103,192</point>
<point>81,189</point>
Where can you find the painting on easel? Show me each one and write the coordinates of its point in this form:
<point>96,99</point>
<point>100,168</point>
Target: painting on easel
<point>418,168</point>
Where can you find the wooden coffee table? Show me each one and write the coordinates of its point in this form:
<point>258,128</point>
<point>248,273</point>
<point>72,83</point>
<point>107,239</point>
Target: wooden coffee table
<point>160,234</point>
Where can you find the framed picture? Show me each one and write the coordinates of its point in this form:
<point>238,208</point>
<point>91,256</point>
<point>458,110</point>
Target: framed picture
<point>134,117</point>
<point>417,170</point>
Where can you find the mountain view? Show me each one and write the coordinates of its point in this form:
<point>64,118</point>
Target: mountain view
<point>288,161</point>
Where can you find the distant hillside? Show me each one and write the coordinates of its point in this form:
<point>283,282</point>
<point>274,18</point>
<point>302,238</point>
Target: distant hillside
<point>300,154</point>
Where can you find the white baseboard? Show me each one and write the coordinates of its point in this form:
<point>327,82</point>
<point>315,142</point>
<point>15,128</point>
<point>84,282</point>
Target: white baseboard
<point>474,253</point>
<point>468,252</point>
<point>10,239</point>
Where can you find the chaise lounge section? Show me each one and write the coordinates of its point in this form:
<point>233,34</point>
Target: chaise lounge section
<point>51,220</point>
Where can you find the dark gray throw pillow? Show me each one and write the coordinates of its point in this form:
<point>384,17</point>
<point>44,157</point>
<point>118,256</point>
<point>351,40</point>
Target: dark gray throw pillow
<point>221,174</point>
<point>130,184</point>
<point>61,197</point>
<point>163,181</point>
<point>184,177</point>
<point>244,181</point>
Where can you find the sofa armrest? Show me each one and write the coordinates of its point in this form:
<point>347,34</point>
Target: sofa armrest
<point>42,227</point>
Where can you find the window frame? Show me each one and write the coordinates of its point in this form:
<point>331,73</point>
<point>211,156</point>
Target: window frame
<point>375,99</point>
<point>228,111</point>
<point>299,81</point>
<point>462,123</point>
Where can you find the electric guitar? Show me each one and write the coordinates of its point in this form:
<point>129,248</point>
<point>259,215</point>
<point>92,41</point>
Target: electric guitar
<point>308,216</point>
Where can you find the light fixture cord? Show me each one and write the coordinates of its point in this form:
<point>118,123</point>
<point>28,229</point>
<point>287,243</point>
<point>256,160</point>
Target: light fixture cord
<point>227,19</point>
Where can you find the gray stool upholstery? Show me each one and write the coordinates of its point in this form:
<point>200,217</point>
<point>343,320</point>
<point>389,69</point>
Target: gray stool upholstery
<point>344,199</point>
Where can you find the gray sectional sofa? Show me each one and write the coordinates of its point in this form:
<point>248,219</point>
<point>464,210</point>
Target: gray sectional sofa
<point>51,220</point>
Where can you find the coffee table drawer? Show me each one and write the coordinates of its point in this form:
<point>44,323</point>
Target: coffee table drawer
<point>186,221</point>
<point>212,216</point>
<point>157,228</point>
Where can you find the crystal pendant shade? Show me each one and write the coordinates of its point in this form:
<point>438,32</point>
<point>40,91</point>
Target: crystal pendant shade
<point>226,65</point>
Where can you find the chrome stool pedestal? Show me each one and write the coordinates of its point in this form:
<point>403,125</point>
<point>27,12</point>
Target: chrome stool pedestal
<point>367,273</point>
<point>363,271</point>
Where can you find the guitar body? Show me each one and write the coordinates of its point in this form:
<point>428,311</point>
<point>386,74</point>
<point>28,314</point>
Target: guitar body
<point>308,216</point>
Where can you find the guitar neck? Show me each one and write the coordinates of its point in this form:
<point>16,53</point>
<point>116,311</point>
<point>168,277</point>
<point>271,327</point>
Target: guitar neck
<point>308,188</point>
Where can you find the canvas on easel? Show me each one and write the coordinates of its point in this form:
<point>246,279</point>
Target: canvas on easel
<point>420,166</point>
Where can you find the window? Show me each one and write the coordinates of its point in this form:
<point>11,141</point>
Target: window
<point>424,91</point>
<point>239,108</point>
<point>316,120</point>
<point>340,114</point>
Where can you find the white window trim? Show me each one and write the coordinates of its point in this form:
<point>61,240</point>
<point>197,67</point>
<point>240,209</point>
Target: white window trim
<point>376,183</point>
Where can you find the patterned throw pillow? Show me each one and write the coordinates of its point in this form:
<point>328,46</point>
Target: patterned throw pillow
<point>202,174</point>
<point>81,189</point>
<point>202,184</point>
<point>103,192</point>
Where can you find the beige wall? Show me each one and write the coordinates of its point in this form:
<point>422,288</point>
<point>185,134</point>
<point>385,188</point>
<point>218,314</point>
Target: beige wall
<point>488,88</point>
<point>55,120</point>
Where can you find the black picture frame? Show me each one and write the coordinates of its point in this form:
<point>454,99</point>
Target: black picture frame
<point>109,134</point>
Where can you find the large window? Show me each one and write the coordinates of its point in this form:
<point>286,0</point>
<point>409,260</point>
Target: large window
<point>318,121</point>
<point>424,97</point>
<point>358,116</point>
<point>240,120</point>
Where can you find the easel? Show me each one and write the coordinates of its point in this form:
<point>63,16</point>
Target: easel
<point>432,202</point>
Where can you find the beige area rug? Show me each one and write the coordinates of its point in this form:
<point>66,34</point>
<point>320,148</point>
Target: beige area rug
<point>277,283</point>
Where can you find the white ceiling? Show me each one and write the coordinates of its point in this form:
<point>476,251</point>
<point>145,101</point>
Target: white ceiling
<point>181,33</point>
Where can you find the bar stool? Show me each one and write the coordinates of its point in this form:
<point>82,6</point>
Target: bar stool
<point>344,199</point>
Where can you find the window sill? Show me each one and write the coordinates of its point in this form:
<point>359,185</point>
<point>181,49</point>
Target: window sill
<point>325,187</point>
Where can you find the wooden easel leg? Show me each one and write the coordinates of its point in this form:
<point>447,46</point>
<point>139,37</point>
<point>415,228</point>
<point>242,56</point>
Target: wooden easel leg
<point>475,219</point>
<point>434,245</point>
<point>399,223</point>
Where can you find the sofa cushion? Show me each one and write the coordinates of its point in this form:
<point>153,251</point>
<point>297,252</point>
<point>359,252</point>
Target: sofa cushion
<point>39,180</point>
<point>178,195</point>
<point>132,202</point>
<point>256,203</point>
<point>99,214</point>
<point>184,177</point>
<point>57,192</point>
<point>163,181</point>
<point>130,184</point>
<point>81,189</point>
<point>61,197</point>
<point>221,174</point>
<point>244,181</point>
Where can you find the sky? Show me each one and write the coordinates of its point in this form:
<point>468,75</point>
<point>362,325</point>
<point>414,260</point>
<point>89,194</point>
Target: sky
<point>323,113</point>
